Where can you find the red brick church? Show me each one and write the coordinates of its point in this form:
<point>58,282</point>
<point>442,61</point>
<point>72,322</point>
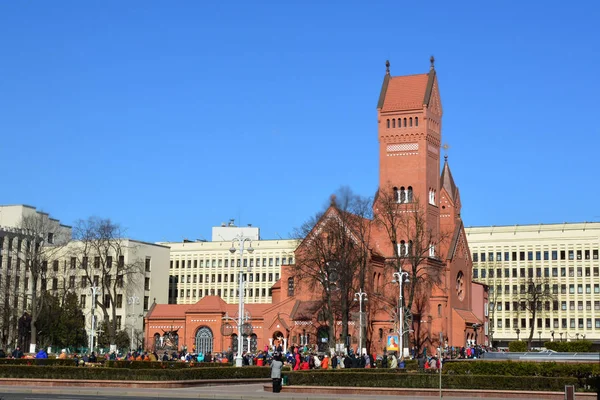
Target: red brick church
<point>450,308</point>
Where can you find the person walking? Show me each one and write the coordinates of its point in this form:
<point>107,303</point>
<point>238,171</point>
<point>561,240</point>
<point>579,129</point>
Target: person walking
<point>276,366</point>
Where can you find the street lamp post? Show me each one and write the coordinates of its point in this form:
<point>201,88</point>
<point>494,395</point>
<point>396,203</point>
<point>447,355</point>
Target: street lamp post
<point>401,277</point>
<point>360,296</point>
<point>94,290</point>
<point>240,321</point>
<point>540,336</point>
<point>560,333</point>
<point>133,300</point>
<point>518,332</point>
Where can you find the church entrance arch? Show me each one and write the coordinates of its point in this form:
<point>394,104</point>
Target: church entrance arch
<point>323,339</point>
<point>204,340</point>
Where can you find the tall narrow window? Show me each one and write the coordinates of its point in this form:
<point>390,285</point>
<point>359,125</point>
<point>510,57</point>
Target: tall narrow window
<point>290,287</point>
<point>402,248</point>
<point>402,195</point>
<point>405,122</point>
<point>388,123</point>
<point>409,195</point>
<point>399,122</point>
<point>393,122</point>
<point>416,121</point>
<point>410,121</point>
<point>396,195</point>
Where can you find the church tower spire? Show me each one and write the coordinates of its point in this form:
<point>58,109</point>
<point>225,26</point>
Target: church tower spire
<point>410,115</point>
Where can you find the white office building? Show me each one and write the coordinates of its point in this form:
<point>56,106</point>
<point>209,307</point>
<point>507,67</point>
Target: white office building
<point>202,268</point>
<point>563,257</point>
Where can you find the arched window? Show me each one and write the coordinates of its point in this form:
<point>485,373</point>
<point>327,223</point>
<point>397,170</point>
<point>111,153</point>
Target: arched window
<point>409,195</point>
<point>393,122</point>
<point>439,310</point>
<point>416,121</point>
<point>409,247</point>
<point>204,340</point>
<point>402,248</point>
<point>380,334</point>
<point>234,343</point>
<point>431,250</point>
<point>388,123</point>
<point>375,280</point>
<point>405,122</point>
<point>402,195</point>
<point>410,121</point>
<point>399,122</point>
<point>396,195</point>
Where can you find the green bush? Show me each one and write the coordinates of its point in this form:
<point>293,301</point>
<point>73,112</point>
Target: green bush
<point>578,346</point>
<point>102,373</point>
<point>162,364</point>
<point>517,346</point>
<point>67,362</point>
<point>431,381</point>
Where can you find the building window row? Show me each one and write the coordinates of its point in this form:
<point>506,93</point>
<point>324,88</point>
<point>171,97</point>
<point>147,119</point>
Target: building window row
<point>402,122</point>
<point>224,293</point>
<point>538,272</point>
<point>214,263</point>
<point>539,255</point>
<point>226,278</point>
<point>565,323</point>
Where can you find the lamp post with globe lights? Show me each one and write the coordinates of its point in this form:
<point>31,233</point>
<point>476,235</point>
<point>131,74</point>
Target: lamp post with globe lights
<point>241,240</point>
<point>401,277</point>
<point>360,296</point>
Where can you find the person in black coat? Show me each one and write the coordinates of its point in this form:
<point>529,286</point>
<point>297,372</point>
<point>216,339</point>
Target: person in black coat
<point>348,362</point>
<point>384,361</point>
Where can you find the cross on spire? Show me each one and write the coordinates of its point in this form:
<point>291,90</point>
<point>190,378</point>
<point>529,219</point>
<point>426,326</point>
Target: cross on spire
<point>387,67</point>
<point>432,61</point>
<point>446,146</point>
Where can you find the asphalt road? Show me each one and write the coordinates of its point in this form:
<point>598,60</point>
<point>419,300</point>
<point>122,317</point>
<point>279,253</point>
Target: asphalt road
<point>223,392</point>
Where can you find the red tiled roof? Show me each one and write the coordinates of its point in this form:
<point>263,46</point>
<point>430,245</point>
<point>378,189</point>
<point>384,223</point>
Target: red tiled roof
<point>168,311</point>
<point>467,316</point>
<point>305,310</point>
<point>209,304</point>
<point>405,92</point>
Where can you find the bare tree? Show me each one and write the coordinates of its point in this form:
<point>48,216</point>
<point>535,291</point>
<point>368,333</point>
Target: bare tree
<point>101,252</point>
<point>333,257</point>
<point>537,292</point>
<point>39,243</point>
<point>416,245</point>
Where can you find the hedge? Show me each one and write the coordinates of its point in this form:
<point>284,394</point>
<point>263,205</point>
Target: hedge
<point>67,362</point>
<point>162,364</point>
<point>578,346</point>
<point>101,373</point>
<point>518,346</point>
<point>521,368</point>
<point>362,379</point>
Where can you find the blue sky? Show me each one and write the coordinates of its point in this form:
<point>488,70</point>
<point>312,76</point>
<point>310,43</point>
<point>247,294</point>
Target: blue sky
<point>172,117</point>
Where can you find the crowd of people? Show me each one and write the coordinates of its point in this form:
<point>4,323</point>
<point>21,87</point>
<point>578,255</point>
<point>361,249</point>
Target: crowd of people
<point>296,357</point>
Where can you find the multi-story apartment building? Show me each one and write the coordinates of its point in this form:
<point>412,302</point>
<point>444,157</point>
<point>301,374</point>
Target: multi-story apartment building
<point>140,271</point>
<point>22,228</point>
<point>562,258</point>
<point>201,268</point>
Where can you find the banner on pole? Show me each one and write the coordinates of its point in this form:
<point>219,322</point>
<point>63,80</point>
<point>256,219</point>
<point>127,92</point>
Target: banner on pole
<point>392,343</point>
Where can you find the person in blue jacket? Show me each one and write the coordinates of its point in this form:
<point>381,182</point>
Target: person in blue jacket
<point>41,354</point>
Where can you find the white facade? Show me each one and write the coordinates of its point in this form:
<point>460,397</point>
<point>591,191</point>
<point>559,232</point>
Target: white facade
<point>564,256</point>
<point>199,269</point>
<point>15,239</point>
<point>134,297</point>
